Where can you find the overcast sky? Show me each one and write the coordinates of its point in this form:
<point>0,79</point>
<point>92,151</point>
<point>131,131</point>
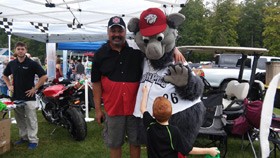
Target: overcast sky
<point>216,0</point>
<point>210,1</point>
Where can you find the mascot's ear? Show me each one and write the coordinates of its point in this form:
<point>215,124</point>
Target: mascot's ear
<point>176,18</point>
<point>133,25</point>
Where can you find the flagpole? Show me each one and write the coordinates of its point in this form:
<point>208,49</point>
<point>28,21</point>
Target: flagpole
<point>9,48</point>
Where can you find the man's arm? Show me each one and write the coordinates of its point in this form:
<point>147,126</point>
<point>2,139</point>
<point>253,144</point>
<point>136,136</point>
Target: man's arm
<point>75,70</point>
<point>8,83</point>
<point>97,93</point>
<point>32,91</point>
<point>178,56</point>
<point>143,106</point>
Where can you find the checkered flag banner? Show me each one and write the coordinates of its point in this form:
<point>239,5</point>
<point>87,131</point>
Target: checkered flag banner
<point>6,24</point>
<point>40,26</point>
<point>74,27</point>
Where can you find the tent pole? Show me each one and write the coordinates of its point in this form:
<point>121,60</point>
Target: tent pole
<point>86,102</point>
<point>65,63</point>
<point>9,47</point>
<point>51,58</point>
<point>70,56</point>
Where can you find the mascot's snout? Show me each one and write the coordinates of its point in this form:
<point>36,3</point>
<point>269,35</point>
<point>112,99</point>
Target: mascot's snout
<point>154,50</point>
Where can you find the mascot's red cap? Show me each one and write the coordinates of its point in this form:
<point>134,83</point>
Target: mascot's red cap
<point>152,21</point>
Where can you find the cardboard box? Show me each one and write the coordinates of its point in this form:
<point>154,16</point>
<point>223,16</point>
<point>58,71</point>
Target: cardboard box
<point>5,135</point>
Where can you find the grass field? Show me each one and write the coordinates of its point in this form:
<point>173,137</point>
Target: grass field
<point>60,144</point>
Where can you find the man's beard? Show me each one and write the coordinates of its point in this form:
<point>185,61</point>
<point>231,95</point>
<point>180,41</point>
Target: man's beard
<point>119,43</point>
<point>22,56</point>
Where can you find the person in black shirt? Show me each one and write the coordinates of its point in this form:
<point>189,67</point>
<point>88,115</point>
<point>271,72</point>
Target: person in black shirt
<point>24,70</point>
<point>164,140</point>
<point>116,73</point>
<point>79,69</point>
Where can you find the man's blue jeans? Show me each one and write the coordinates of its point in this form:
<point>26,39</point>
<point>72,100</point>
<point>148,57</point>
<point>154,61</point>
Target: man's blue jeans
<point>4,90</point>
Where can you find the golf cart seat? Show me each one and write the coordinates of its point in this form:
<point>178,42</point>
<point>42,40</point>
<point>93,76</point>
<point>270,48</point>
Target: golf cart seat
<point>233,102</point>
<point>257,91</point>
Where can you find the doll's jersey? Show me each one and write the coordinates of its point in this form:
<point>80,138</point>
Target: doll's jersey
<point>158,87</point>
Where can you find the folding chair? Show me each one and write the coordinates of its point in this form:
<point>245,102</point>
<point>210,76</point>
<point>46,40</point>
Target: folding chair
<point>248,123</point>
<point>253,115</point>
<point>274,135</point>
<point>214,122</point>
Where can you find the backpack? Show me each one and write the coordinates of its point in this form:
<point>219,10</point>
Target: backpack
<point>211,101</point>
<point>253,112</point>
<point>251,118</point>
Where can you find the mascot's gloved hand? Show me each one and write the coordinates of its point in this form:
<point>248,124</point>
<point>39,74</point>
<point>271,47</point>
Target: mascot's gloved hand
<point>178,75</point>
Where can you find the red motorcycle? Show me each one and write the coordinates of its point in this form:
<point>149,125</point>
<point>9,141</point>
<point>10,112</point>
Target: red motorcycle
<point>61,105</point>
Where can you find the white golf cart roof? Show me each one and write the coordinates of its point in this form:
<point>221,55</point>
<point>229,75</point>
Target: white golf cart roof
<point>222,49</point>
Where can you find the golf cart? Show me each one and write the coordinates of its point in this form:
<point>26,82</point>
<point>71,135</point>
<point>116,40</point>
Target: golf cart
<point>244,70</point>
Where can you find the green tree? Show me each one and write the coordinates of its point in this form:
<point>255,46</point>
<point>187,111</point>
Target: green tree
<point>272,27</point>
<point>35,48</point>
<point>251,26</point>
<point>3,39</point>
<point>225,19</point>
<point>195,29</point>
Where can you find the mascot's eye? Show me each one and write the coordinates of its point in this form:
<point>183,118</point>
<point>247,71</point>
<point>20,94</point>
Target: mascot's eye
<point>160,37</point>
<point>146,39</point>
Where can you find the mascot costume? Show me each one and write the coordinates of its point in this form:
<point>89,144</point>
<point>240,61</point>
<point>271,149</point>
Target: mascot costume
<point>155,34</point>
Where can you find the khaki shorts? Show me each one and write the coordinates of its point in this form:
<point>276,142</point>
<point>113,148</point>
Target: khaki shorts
<point>117,127</point>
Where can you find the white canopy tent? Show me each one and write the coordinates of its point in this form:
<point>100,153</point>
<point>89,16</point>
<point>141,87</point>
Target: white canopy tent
<point>72,20</point>
<point>59,21</point>
<point>91,15</point>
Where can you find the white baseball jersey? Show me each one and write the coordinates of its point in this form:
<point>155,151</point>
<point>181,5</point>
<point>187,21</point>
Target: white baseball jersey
<point>158,87</point>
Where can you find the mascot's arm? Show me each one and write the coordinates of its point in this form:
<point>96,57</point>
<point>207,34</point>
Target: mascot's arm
<point>187,85</point>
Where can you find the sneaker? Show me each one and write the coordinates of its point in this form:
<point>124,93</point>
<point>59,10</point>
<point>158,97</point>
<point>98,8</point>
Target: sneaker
<point>20,141</point>
<point>32,145</point>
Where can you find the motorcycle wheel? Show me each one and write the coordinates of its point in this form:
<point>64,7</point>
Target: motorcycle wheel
<point>47,112</point>
<point>77,127</point>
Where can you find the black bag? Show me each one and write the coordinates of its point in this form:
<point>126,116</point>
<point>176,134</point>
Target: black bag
<point>211,100</point>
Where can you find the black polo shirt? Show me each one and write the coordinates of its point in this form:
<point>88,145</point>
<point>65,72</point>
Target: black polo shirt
<point>123,66</point>
<point>23,77</point>
<point>119,73</point>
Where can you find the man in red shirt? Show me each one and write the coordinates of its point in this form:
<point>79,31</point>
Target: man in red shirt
<point>116,72</point>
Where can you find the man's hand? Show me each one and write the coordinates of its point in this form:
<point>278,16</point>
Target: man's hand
<point>31,92</point>
<point>178,56</point>
<point>11,89</point>
<point>100,117</point>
